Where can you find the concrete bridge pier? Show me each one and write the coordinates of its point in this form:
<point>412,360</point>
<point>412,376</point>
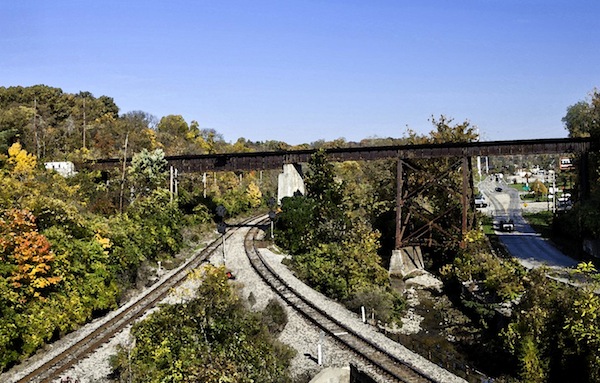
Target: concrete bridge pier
<point>290,182</point>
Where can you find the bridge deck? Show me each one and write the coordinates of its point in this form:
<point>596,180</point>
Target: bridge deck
<point>274,160</point>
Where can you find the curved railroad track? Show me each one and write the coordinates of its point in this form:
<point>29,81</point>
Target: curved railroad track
<point>53,368</point>
<point>374,355</point>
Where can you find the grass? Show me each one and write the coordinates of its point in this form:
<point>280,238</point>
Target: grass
<point>487,224</point>
<point>518,187</point>
<point>541,222</point>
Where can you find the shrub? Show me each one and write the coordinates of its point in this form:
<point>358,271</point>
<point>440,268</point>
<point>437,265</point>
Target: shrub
<point>274,317</point>
<point>388,305</point>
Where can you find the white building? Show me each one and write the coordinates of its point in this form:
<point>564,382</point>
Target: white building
<point>64,168</point>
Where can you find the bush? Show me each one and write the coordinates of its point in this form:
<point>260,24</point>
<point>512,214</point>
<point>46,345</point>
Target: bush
<point>274,317</point>
<point>295,225</point>
<point>388,305</point>
<point>209,339</point>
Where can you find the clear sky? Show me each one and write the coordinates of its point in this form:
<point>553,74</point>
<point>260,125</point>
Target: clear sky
<point>303,70</point>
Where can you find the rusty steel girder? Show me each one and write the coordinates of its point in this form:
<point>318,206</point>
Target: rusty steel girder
<point>274,160</point>
<point>408,210</point>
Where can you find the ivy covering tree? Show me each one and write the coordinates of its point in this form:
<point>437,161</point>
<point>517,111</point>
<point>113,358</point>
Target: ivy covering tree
<point>148,171</point>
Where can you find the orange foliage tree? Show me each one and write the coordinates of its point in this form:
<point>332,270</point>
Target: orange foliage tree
<point>26,255</point>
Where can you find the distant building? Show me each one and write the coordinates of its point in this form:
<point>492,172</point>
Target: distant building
<point>566,163</point>
<point>64,168</point>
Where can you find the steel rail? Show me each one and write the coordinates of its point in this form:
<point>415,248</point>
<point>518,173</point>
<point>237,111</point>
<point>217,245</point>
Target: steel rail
<point>382,360</point>
<point>52,368</point>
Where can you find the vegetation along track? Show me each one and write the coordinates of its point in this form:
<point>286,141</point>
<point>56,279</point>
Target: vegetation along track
<point>52,368</point>
<point>386,363</point>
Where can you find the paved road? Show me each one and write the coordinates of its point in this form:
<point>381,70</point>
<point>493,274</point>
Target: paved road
<point>523,243</point>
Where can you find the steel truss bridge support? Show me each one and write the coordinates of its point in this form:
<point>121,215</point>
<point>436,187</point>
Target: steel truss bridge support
<point>423,182</point>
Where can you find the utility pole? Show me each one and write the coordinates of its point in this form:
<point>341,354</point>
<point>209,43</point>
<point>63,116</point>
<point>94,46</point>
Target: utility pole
<point>123,174</point>
<point>83,128</point>
<point>173,188</point>
<point>171,183</point>
<point>272,213</point>
<point>35,129</point>
<point>176,182</point>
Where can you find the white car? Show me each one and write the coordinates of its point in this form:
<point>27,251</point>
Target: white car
<point>480,201</point>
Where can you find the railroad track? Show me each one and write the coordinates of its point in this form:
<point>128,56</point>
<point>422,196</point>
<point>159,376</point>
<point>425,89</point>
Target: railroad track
<point>384,362</point>
<point>53,368</point>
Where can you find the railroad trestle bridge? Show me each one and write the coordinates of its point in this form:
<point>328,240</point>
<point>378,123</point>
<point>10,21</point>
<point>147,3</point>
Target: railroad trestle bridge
<point>459,153</point>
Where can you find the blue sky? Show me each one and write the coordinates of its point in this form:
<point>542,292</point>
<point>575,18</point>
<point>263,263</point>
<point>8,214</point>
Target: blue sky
<point>301,71</point>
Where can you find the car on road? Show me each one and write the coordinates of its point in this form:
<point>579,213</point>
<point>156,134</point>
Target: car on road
<point>507,226</point>
<point>480,201</point>
<point>498,189</point>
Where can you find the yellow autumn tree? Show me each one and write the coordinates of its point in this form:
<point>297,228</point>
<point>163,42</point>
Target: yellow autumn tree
<point>254,195</point>
<point>23,164</point>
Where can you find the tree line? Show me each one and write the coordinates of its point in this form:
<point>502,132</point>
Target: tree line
<point>58,126</point>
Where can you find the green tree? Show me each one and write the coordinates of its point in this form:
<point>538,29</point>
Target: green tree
<point>174,125</point>
<point>148,171</point>
<point>445,131</point>
<point>583,118</point>
<point>173,133</point>
<point>295,224</point>
<point>552,334</point>
<point>584,323</point>
<point>13,124</point>
<point>330,221</point>
<point>160,220</point>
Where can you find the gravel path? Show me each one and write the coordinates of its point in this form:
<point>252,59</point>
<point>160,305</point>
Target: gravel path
<point>298,333</point>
